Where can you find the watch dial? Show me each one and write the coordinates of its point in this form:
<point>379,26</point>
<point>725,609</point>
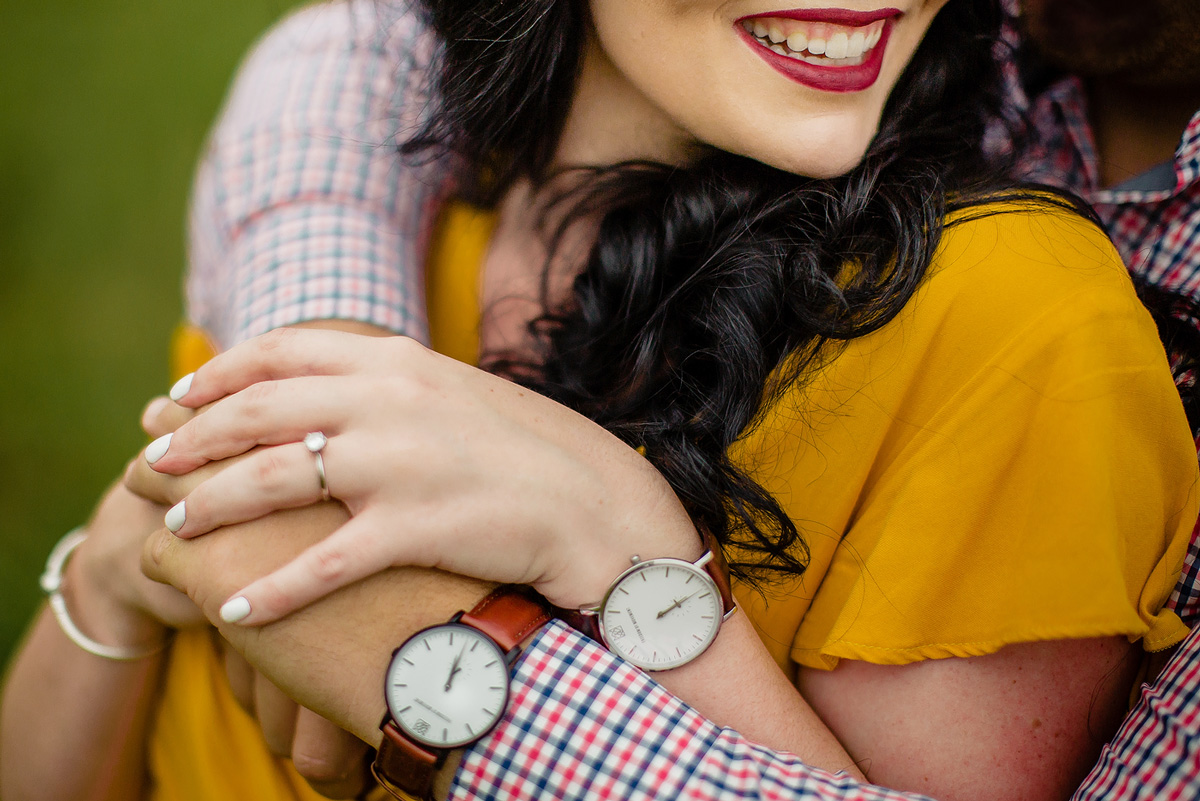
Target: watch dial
<point>661,614</point>
<point>447,685</point>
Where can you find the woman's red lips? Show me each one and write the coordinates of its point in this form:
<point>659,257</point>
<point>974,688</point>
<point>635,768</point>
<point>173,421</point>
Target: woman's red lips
<point>834,16</point>
<point>831,77</point>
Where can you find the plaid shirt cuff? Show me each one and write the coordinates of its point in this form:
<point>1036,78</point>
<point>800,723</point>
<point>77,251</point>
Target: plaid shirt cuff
<point>583,724</point>
<point>320,261</point>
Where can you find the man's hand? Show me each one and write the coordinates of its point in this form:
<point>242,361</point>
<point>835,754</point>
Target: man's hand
<point>331,656</point>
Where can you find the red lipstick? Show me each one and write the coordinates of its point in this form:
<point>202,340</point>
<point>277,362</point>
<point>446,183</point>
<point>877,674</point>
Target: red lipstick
<point>826,78</point>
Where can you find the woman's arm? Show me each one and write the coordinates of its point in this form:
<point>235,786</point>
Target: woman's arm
<point>331,655</point>
<point>73,725</point>
<point>1026,722</point>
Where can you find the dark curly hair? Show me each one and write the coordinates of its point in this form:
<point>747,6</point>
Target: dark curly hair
<point>714,286</point>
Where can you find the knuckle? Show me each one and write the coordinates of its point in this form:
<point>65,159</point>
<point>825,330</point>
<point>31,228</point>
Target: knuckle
<point>403,351</point>
<point>320,768</point>
<point>156,551</point>
<point>270,471</point>
<point>275,339</point>
<point>272,599</point>
<point>329,564</point>
<point>256,403</point>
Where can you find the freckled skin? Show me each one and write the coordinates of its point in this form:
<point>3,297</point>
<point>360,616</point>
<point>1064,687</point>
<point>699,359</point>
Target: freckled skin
<point>1142,43</point>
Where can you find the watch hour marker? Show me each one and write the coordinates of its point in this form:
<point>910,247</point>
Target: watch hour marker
<point>427,646</point>
<point>402,711</point>
<point>698,637</point>
<point>470,731</point>
<point>690,577</point>
<point>452,638</point>
<point>398,684</point>
<point>489,664</point>
<point>706,617</point>
<point>476,645</point>
<point>445,735</point>
<point>406,659</point>
<point>487,711</point>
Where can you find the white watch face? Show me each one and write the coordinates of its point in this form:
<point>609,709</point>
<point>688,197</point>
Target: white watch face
<point>661,614</point>
<point>447,685</point>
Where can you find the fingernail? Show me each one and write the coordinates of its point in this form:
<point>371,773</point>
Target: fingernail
<point>157,449</point>
<point>176,516</point>
<point>235,609</point>
<point>182,387</point>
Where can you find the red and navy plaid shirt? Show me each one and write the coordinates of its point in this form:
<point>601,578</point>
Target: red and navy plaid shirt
<point>302,211</point>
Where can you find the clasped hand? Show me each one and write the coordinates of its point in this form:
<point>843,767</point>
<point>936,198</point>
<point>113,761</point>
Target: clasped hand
<point>440,465</point>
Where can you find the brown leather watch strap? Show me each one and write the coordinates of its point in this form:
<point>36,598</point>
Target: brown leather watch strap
<point>404,768</point>
<point>508,614</point>
<point>718,568</point>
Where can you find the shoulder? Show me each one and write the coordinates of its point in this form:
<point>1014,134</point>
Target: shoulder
<point>1027,270</point>
<point>322,63</point>
<point>1027,254</point>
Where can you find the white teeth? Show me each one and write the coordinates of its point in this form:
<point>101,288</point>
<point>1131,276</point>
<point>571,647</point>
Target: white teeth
<point>858,43</point>
<point>837,45</point>
<point>847,47</point>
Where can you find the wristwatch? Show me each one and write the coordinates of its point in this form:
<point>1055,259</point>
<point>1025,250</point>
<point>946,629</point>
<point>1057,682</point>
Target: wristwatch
<point>447,686</point>
<point>660,614</point>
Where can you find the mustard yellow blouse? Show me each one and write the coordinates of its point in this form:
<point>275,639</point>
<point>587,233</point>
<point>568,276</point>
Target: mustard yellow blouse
<point>1007,461</point>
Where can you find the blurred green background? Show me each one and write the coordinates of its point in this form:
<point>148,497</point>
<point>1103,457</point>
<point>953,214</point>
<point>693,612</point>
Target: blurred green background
<point>104,105</point>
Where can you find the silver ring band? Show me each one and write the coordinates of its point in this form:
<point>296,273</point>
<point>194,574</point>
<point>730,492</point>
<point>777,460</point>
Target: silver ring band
<point>316,442</point>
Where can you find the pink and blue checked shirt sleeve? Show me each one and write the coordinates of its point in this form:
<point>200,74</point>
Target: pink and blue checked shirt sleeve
<point>303,210</point>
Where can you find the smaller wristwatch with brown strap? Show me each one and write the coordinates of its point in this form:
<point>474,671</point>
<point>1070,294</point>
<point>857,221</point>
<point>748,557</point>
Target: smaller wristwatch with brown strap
<point>447,686</point>
<point>660,614</point>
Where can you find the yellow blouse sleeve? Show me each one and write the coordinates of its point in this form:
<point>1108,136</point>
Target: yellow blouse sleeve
<point>1018,466</point>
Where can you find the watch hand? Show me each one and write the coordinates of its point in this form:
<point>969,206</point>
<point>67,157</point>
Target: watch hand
<point>454,669</point>
<point>674,606</point>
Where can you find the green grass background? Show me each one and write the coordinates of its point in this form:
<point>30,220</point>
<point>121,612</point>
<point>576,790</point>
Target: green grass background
<point>104,105</point>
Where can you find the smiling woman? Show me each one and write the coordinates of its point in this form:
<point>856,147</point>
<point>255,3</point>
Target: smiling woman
<point>718,309</point>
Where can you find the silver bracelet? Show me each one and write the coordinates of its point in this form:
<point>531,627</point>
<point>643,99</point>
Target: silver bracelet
<point>51,583</point>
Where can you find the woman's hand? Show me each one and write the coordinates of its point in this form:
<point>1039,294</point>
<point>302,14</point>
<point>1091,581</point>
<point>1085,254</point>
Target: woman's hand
<point>105,588</point>
<point>441,465</point>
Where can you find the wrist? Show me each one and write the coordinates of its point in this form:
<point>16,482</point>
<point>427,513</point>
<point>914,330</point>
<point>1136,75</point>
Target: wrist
<point>100,610</point>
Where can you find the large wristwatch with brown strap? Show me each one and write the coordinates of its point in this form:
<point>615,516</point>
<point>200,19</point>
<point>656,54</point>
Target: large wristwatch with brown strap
<point>447,686</point>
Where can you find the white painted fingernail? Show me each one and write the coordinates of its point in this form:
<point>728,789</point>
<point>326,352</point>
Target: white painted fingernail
<point>235,609</point>
<point>157,449</point>
<point>182,387</point>
<point>176,516</point>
